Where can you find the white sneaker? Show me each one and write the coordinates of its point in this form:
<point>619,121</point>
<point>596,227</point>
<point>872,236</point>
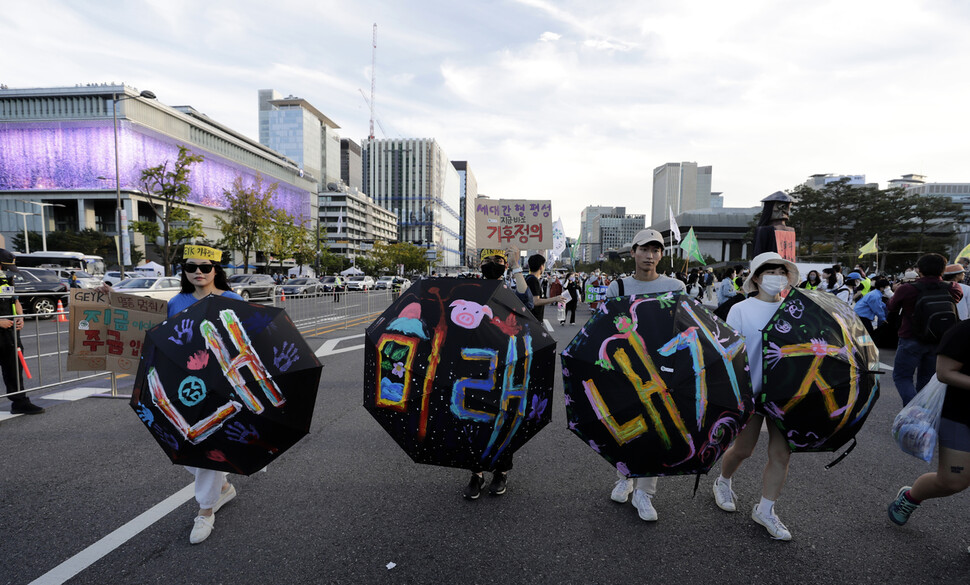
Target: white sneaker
<point>641,501</point>
<point>622,490</point>
<point>224,498</point>
<point>724,496</point>
<point>772,524</point>
<point>202,528</point>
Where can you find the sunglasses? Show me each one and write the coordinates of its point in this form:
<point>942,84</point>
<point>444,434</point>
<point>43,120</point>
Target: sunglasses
<point>204,268</point>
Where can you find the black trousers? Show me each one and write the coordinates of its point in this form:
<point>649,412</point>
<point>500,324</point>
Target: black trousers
<point>503,465</point>
<point>10,365</point>
<point>571,311</point>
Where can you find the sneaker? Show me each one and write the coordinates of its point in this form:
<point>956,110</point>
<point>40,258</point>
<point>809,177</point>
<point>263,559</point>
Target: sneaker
<point>901,508</point>
<point>202,528</point>
<point>622,490</point>
<point>224,498</point>
<point>772,524</point>
<point>500,481</point>
<point>25,407</point>
<point>474,487</point>
<point>724,496</point>
<point>641,501</point>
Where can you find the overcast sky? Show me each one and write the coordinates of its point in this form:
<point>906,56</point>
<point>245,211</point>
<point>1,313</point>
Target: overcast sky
<point>570,100</point>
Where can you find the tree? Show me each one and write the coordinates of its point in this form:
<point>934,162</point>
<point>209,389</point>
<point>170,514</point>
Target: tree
<point>168,190</point>
<point>249,216</point>
<point>282,236</point>
<point>390,256</point>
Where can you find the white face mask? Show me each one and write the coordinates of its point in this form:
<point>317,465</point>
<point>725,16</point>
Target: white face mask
<point>773,284</point>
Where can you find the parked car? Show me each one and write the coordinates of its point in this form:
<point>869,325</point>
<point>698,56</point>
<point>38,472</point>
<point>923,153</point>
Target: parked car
<point>156,287</point>
<point>253,286</point>
<point>395,283</point>
<point>333,283</point>
<point>113,278</point>
<point>30,282</point>
<point>360,283</point>
<point>302,287</point>
<point>84,279</point>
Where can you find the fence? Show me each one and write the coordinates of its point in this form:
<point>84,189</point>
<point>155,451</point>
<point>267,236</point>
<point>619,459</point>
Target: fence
<point>45,339</point>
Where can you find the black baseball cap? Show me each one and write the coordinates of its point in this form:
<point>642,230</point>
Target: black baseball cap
<point>8,260</point>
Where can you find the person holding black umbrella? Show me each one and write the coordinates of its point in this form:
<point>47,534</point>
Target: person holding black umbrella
<point>770,276</point>
<point>493,266</point>
<point>202,275</point>
<point>647,249</point>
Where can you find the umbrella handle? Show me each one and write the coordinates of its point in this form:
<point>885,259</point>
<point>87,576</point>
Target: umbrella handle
<point>842,456</point>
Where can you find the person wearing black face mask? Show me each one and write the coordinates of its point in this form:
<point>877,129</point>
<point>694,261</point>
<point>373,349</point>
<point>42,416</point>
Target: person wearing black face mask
<point>493,266</point>
<point>13,372</point>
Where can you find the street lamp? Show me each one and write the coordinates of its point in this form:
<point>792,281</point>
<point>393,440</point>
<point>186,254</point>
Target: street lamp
<point>24,214</point>
<point>122,216</point>
<point>43,225</point>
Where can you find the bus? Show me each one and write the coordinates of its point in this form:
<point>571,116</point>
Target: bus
<point>93,265</point>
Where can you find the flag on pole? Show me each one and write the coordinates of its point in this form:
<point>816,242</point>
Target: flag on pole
<point>558,240</point>
<point>572,253</point>
<point>690,246</point>
<point>674,228</point>
<point>869,248</point>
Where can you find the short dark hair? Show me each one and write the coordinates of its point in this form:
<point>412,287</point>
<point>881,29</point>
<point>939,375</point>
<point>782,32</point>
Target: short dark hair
<point>931,265</point>
<point>880,283</point>
<point>768,266</point>
<point>656,245</point>
<point>536,261</point>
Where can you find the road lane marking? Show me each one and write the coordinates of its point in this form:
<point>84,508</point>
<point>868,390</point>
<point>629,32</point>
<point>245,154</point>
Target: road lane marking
<point>329,346</point>
<point>548,325</point>
<point>92,554</point>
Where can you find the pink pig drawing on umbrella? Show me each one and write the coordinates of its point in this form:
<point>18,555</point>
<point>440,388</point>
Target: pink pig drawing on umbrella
<point>469,314</point>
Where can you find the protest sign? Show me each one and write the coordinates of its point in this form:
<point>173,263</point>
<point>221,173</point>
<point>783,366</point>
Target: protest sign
<point>500,223</point>
<point>108,329</point>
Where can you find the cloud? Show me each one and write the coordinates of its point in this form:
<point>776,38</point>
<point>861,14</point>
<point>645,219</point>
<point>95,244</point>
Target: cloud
<point>549,36</point>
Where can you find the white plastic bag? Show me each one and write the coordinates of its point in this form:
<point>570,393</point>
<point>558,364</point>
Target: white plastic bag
<point>917,425</point>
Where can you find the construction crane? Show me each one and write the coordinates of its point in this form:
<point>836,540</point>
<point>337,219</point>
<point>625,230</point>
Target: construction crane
<point>373,80</point>
<point>372,118</point>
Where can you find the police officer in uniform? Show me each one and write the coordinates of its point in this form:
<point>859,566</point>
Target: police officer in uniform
<point>13,373</point>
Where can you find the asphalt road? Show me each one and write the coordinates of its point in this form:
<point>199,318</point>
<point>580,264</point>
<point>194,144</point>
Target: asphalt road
<point>346,501</point>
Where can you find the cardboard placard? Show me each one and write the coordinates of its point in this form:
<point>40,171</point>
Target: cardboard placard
<point>524,223</point>
<point>785,242</point>
<point>108,329</point>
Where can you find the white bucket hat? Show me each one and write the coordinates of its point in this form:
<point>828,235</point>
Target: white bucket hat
<point>770,258</point>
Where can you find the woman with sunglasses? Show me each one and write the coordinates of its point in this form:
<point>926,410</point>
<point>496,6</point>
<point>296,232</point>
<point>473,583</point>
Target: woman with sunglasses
<point>202,275</point>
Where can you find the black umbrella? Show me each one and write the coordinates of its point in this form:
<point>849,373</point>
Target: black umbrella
<point>459,372</point>
<point>820,371</point>
<point>657,385</point>
<point>226,385</point>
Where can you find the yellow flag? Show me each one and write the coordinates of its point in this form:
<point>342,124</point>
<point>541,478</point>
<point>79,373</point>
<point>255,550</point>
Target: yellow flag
<point>964,253</point>
<point>869,248</point>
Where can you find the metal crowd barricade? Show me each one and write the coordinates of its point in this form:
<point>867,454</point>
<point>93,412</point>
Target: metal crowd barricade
<point>45,338</point>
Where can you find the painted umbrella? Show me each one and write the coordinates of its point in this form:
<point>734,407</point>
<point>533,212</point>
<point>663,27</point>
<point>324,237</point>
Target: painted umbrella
<point>820,368</point>
<point>226,385</point>
<point>657,385</point>
<point>459,372</point>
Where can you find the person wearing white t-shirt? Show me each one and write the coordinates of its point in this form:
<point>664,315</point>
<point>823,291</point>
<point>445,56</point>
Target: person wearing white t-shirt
<point>955,273</point>
<point>770,276</point>
<point>647,250</point>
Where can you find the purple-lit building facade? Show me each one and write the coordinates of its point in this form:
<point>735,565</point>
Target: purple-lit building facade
<point>57,146</point>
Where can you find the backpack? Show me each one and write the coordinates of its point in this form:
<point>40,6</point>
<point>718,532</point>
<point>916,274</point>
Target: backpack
<point>933,312</point>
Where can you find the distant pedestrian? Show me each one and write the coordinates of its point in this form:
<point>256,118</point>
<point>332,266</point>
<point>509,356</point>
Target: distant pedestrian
<point>955,273</point>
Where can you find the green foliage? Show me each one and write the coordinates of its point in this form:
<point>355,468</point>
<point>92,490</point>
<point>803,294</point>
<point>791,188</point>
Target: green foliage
<point>167,189</point>
<point>833,222</point>
<point>249,217</point>
<point>389,256</point>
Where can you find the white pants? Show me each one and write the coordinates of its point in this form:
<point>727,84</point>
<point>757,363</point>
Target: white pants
<point>646,484</point>
<point>208,486</point>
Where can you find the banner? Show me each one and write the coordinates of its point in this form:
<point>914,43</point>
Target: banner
<point>785,242</point>
<point>558,241</point>
<point>870,248</point>
<point>108,329</point>
<point>500,223</point>
<point>595,293</point>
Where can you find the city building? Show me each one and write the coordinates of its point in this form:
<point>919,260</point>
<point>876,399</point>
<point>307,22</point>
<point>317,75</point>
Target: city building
<point>296,129</point>
<point>956,192</point>
<point>466,234</point>
<point>817,181</point>
<point>588,247</point>
<point>720,232</point>
<point>351,223</point>
<point>414,179</point>
<point>614,231</point>
<point>680,187</point>
<point>351,165</point>
<point>57,146</point>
